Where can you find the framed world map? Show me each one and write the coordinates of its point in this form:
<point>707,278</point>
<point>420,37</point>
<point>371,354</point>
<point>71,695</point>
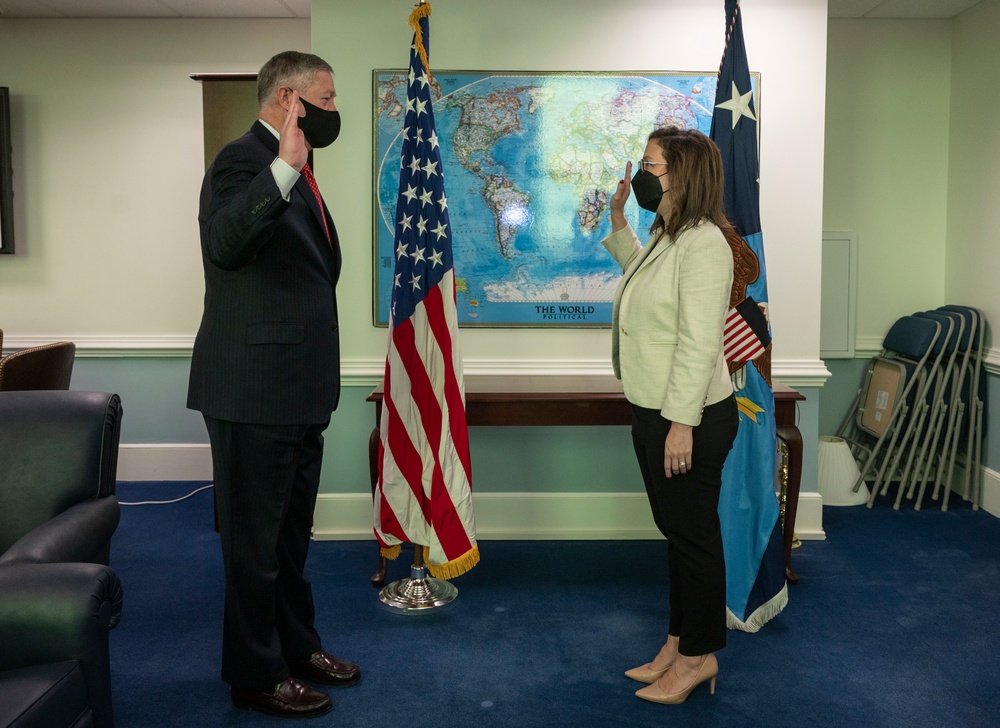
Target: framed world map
<point>529,162</point>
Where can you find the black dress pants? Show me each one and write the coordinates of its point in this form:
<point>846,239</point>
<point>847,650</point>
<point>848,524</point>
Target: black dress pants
<point>686,510</point>
<point>266,481</point>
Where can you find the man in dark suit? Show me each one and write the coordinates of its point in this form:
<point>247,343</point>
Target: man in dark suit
<point>265,374</point>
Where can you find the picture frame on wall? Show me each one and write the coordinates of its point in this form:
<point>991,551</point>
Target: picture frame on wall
<point>6,176</point>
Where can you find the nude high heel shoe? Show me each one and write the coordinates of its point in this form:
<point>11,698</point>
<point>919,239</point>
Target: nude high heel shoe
<point>645,674</point>
<point>708,671</point>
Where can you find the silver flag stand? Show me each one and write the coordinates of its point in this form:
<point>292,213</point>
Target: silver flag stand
<point>420,594</point>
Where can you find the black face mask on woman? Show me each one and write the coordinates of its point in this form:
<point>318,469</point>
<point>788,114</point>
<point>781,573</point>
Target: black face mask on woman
<point>320,127</point>
<point>647,189</point>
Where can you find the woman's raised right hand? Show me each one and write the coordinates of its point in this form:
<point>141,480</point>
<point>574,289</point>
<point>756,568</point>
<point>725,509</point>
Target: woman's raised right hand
<point>618,198</point>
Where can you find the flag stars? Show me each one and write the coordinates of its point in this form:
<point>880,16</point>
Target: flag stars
<point>441,230</point>
<point>430,169</point>
<point>411,193</point>
<point>415,165</point>
<point>422,226</point>
<point>396,283</point>
<point>433,139</point>
<point>418,255</point>
<point>426,197</point>
<point>739,105</point>
<point>415,282</point>
<point>405,222</point>
<point>443,202</point>
<point>423,78</point>
<point>400,250</point>
<point>435,259</point>
<point>421,107</point>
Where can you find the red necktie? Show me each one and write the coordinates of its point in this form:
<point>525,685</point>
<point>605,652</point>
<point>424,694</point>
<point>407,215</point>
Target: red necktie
<point>319,200</point>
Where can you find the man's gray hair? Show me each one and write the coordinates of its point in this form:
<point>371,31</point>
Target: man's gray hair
<point>290,68</point>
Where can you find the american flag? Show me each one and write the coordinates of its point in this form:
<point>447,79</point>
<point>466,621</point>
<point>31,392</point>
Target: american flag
<point>424,492</point>
<point>746,335</point>
<point>748,509</point>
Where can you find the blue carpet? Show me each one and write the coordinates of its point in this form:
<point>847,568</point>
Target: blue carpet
<point>894,622</point>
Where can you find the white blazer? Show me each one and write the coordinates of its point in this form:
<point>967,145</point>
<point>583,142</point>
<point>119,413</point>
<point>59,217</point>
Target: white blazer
<point>669,315</point>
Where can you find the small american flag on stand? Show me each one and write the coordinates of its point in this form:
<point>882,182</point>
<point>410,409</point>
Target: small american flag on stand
<point>746,334</point>
<point>424,492</point>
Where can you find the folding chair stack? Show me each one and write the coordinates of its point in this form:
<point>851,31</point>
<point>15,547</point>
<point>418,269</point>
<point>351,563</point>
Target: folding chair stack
<point>920,410</point>
<point>966,437</point>
<point>928,410</point>
<point>885,415</point>
<point>937,437</point>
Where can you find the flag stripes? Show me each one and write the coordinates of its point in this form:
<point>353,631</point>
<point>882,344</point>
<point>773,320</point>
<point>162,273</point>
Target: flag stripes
<point>424,490</point>
<point>740,342</point>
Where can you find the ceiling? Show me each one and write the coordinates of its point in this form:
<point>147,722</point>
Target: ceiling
<point>300,8</point>
<point>154,8</point>
<point>892,8</point>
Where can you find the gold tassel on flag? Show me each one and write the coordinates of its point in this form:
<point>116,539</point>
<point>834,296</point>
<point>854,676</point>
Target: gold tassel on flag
<point>423,10</point>
<point>455,567</point>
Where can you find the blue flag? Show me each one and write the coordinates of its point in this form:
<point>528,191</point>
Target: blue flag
<point>748,508</point>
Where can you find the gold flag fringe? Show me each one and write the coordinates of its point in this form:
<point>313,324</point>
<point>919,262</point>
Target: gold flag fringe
<point>390,552</point>
<point>761,615</point>
<point>455,567</point>
<point>421,11</point>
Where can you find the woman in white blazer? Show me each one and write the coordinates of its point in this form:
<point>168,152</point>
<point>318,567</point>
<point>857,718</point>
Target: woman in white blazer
<point>669,313</point>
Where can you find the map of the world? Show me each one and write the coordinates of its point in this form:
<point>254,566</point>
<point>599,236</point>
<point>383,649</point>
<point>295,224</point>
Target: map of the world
<point>530,160</point>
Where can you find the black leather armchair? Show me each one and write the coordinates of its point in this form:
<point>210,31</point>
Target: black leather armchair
<point>58,596</point>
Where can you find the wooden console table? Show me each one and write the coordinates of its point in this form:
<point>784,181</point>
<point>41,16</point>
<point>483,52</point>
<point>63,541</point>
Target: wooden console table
<point>556,401</point>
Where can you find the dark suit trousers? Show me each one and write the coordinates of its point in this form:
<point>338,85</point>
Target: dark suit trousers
<point>266,481</point>
<point>686,510</point>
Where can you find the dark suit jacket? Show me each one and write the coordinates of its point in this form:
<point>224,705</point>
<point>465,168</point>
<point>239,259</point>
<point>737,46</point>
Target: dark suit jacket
<point>268,349</point>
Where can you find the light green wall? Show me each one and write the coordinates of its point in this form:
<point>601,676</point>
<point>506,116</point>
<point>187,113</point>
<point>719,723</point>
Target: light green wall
<point>554,459</point>
<point>912,149</point>
<point>107,156</point>
<point>974,157</point>
<point>153,392</point>
<point>886,161</point>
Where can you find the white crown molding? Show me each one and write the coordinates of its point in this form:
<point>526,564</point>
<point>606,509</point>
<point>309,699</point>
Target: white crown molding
<point>800,372</point>
<point>793,372</point>
<point>867,346</point>
<point>110,346</point>
<point>992,361</point>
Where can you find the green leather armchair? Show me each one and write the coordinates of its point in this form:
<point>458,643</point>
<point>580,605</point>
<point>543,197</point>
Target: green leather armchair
<point>58,596</point>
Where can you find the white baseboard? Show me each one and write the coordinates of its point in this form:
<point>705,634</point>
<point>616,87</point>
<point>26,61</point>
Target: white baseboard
<point>544,516</point>
<point>990,502</point>
<point>809,518</point>
<point>511,516</point>
<point>188,461</point>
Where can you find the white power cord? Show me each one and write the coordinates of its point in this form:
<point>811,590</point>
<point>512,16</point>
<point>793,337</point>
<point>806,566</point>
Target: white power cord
<point>166,502</point>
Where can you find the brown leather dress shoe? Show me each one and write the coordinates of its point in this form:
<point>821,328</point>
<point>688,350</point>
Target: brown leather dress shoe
<point>290,699</point>
<point>325,669</point>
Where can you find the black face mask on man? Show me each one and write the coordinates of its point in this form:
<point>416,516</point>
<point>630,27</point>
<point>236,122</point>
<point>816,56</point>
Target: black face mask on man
<point>647,189</point>
<point>319,126</point>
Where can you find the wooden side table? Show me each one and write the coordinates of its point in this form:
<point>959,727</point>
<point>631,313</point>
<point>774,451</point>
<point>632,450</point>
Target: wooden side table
<point>537,401</point>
